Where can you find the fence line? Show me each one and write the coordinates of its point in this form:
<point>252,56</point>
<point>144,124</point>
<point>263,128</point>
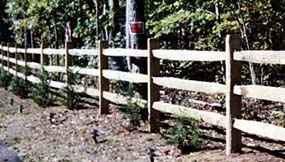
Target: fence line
<point>233,89</point>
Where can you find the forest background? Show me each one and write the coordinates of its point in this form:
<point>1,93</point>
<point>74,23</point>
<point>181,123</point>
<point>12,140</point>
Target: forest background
<point>179,24</point>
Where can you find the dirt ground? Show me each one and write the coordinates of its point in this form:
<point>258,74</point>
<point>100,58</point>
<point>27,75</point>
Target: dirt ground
<point>34,138</point>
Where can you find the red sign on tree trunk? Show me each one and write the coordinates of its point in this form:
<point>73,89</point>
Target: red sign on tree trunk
<point>137,27</point>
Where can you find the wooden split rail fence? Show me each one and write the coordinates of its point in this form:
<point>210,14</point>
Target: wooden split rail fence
<point>233,89</point>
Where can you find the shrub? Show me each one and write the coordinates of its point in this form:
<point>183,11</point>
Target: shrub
<point>133,112</point>
<point>5,79</point>
<point>71,99</point>
<point>19,87</point>
<point>184,135</point>
<point>40,93</point>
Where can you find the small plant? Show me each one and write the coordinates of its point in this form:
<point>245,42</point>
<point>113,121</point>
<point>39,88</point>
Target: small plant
<point>71,99</point>
<point>19,87</point>
<point>184,135</point>
<point>5,79</point>
<point>133,112</point>
<point>40,93</point>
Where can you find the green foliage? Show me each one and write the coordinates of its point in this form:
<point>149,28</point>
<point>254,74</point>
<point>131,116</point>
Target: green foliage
<point>119,40</point>
<point>184,135</point>
<point>71,99</point>
<point>5,79</point>
<point>179,24</point>
<point>19,87</point>
<point>133,112</point>
<point>40,92</point>
<point>47,19</point>
<point>204,24</point>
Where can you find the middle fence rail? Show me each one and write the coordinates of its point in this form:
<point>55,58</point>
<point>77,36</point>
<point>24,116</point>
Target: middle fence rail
<point>13,57</point>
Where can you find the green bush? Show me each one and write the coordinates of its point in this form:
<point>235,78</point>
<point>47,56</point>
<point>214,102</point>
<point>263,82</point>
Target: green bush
<point>19,87</point>
<point>71,99</point>
<point>184,135</point>
<point>40,92</point>
<point>134,111</point>
<point>5,79</point>
<point>134,114</point>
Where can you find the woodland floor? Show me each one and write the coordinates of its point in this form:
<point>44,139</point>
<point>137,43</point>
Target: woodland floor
<point>34,139</point>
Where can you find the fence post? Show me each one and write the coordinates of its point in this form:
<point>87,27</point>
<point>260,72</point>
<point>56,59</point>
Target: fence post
<point>16,60</point>
<point>153,89</point>
<point>103,82</point>
<point>233,101</point>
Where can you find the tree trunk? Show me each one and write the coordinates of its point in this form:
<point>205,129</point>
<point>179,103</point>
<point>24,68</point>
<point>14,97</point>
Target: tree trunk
<point>135,13</point>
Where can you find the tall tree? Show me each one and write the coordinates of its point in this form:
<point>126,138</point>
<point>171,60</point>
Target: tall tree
<point>135,13</point>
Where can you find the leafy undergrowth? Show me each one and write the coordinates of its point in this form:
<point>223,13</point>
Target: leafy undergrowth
<point>67,138</point>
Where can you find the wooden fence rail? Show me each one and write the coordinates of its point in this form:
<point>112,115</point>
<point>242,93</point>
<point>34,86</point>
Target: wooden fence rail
<point>233,89</point>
